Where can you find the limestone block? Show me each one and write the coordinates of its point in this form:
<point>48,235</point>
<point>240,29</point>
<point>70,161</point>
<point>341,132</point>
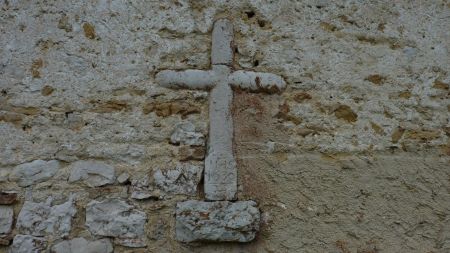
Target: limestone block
<point>81,245</point>
<point>34,172</point>
<point>6,219</point>
<point>220,221</point>
<point>123,178</point>
<point>116,218</point>
<point>28,244</point>
<point>185,134</point>
<point>40,219</point>
<point>93,173</point>
<point>181,180</point>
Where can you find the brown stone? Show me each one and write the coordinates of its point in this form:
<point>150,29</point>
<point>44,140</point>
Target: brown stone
<point>47,90</point>
<point>7,198</point>
<point>89,31</point>
<point>165,109</point>
<point>376,79</point>
<point>191,153</point>
<point>440,85</point>
<point>397,134</point>
<point>346,113</point>
<point>301,97</point>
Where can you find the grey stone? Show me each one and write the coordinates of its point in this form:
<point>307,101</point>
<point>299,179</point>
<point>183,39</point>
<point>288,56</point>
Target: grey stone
<point>40,219</point>
<point>184,179</point>
<point>93,173</point>
<point>219,221</point>
<point>116,218</point>
<point>185,134</point>
<point>28,244</point>
<point>6,219</point>
<point>4,174</point>
<point>140,189</point>
<point>220,163</point>
<point>123,178</point>
<point>81,245</point>
<point>34,172</point>
<point>222,39</point>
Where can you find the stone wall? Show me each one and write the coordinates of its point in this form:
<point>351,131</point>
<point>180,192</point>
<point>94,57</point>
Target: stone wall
<point>353,156</point>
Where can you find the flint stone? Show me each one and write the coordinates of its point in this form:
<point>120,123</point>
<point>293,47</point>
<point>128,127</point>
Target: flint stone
<point>219,221</point>
<point>185,134</point>
<point>81,245</point>
<point>34,172</point>
<point>93,173</point>
<point>181,180</point>
<point>6,219</point>
<point>40,219</point>
<point>28,244</point>
<point>115,218</point>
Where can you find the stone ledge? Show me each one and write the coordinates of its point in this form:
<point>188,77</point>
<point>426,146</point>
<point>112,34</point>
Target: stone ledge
<point>219,221</point>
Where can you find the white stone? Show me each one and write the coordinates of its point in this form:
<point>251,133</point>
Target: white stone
<point>81,245</point>
<point>220,221</point>
<point>28,244</point>
<point>40,219</point>
<point>185,134</point>
<point>34,172</point>
<point>115,218</point>
<point>6,219</point>
<point>93,173</point>
<point>255,81</point>
<point>184,179</point>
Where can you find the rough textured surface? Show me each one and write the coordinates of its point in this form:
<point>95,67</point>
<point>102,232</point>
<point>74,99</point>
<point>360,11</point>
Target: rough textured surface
<point>352,156</point>
<point>93,173</point>
<point>116,218</point>
<point>34,172</point>
<point>40,219</point>
<point>184,179</point>
<point>28,244</point>
<point>6,219</point>
<point>81,245</point>
<point>184,133</point>
<point>219,221</point>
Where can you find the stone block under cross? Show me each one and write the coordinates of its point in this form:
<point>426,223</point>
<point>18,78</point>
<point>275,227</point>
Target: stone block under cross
<point>220,164</point>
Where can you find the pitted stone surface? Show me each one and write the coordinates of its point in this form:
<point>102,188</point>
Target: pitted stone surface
<point>185,134</point>
<point>184,179</point>
<point>92,173</point>
<point>220,221</point>
<point>116,218</point>
<point>6,219</point>
<point>40,219</point>
<point>28,244</point>
<point>220,164</point>
<point>34,172</point>
<point>81,245</point>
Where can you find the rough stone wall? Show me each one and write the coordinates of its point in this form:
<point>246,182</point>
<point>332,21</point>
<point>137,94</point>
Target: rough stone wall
<point>352,157</point>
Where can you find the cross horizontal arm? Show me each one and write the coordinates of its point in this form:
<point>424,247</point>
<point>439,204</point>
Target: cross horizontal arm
<point>257,81</point>
<point>190,79</point>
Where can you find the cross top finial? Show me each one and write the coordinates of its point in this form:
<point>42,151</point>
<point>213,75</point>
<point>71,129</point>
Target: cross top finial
<point>220,164</point>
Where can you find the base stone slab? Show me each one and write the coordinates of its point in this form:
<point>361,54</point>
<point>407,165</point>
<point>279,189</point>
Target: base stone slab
<point>219,221</point>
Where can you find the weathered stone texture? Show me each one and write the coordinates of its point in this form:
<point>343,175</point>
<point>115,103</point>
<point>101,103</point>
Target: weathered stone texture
<point>115,218</point>
<point>28,244</point>
<point>93,173</point>
<point>34,172</point>
<point>184,133</point>
<point>219,221</point>
<point>6,219</point>
<point>81,245</point>
<point>183,179</point>
<point>41,219</point>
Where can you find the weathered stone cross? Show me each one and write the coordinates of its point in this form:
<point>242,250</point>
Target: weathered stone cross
<point>220,164</point>
<point>220,220</point>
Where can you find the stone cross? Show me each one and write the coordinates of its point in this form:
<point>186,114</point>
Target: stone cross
<point>220,164</point>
